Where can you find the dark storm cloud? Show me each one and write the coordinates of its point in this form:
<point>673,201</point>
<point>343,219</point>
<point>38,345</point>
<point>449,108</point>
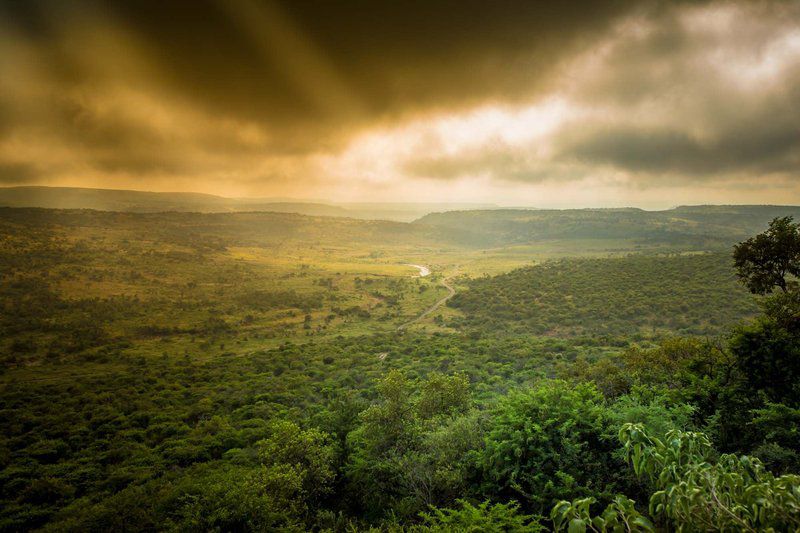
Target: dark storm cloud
<point>761,149</point>
<point>306,73</point>
<point>390,54</point>
<point>262,94</point>
<point>693,99</point>
<point>676,94</point>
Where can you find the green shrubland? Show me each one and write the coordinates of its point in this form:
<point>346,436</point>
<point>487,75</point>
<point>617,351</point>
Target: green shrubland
<point>169,383</point>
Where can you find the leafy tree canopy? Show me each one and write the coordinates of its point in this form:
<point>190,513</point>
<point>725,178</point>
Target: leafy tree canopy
<point>763,262</point>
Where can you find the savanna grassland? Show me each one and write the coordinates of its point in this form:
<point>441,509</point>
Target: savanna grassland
<point>259,371</point>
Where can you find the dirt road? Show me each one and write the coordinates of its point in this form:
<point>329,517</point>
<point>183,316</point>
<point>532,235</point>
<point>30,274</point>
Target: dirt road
<point>440,302</point>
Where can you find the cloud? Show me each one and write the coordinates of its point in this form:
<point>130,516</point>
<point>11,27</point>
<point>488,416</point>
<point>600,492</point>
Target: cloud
<point>680,97</point>
<point>667,97</point>
<point>758,150</point>
<point>243,94</point>
<point>16,173</point>
<point>303,62</point>
<point>376,99</point>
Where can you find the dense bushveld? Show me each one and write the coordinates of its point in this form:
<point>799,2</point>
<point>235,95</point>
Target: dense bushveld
<point>246,372</point>
<point>632,297</point>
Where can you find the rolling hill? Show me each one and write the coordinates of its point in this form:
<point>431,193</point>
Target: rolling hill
<point>693,227</point>
<point>155,202</point>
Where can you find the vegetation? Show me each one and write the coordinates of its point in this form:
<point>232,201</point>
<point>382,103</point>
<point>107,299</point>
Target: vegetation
<point>633,297</point>
<point>248,372</point>
<point>686,227</point>
<point>724,494</point>
<point>763,262</point>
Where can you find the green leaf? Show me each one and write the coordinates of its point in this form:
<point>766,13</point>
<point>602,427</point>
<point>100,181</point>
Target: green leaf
<point>577,525</point>
<point>643,523</point>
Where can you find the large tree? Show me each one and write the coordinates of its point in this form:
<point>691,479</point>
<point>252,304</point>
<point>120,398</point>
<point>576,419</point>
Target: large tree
<point>763,262</point>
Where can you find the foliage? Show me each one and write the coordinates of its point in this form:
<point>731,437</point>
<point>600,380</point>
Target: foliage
<point>696,492</point>
<point>241,501</point>
<point>485,517</point>
<point>763,262</point>
<point>768,357</point>
<point>244,372</point>
<point>619,516</point>
<point>638,297</point>
<point>411,451</point>
<point>784,309</point>
<point>444,395</point>
<point>780,427</point>
<point>682,367</point>
<point>547,443</point>
<point>653,410</point>
<point>307,453</point>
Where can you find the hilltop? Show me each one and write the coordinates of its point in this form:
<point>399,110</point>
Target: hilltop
<point>155,202</point>
<point>693,226</point>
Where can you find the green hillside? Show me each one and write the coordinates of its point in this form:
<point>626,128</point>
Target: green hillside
<point>638,297</point>
<point>696,227</point>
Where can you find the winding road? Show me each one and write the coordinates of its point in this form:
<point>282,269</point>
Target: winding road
<point>440,302</point>
<point>423,270</point>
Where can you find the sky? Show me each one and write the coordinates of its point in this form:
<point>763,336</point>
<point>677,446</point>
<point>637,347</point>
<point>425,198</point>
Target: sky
<point>519,103</point>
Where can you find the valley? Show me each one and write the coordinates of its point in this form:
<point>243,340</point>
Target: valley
<point>143,351</point>
<point>399,267</point>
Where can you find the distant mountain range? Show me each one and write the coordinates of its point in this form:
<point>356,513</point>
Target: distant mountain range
<point>153,202</point>
<point>699,227</point>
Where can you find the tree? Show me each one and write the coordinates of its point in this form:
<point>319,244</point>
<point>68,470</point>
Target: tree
<point>443,395</point>
<point>388,431</point>
<point>441,469</point>
<point>763,262</point>
<point>391,424</point>
<point>413,447</point>
<point>619,516</point>
<point>308,452</point>
<point>780,426</point>
<point>768,357</point>
<point>547,444</point>
<point>497,518</point>
<point>784,309</point>
<point>229,499</point>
